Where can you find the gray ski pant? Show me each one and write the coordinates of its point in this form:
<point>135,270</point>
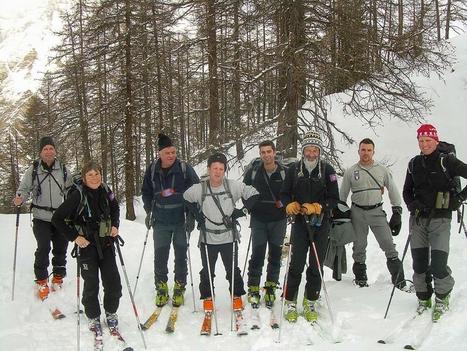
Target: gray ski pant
<point>376,220</point>
<point>430,239</point>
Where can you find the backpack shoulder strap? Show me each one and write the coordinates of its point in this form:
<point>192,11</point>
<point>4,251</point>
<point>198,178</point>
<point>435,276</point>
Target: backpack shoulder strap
<point>228,192</point>
<point>204,190</point>
<point>153,175</point>
<point>35,166</point>
<point>183,167</point>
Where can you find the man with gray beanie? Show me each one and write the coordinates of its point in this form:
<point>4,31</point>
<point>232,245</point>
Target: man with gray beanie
<point>309,193</point>
<point>45,181</point>
<point>367,180</point>
<point>165,181</point>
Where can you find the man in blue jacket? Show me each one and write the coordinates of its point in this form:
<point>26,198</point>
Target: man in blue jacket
<point>165,181</point>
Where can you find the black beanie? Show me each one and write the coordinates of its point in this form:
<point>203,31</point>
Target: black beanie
<point>46,141</point>
<point>164,141</point>
<point>217,157</point>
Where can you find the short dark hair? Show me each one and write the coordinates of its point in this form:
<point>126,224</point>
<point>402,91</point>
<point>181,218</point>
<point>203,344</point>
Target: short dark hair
<point>366,141</point>
<point>267,143</point>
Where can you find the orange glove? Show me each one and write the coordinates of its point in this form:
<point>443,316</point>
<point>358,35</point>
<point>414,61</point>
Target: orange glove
<point>309,209</point>
<point>293,208</point>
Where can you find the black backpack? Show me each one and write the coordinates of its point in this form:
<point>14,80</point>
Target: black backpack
<point>445,149</point>
<point>257,163</point>
<point>77,185</point>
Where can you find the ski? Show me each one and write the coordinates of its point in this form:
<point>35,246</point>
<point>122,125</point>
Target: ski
<point>206,326</point>
<point>397,330</point>
<point>56,313</point>
<point>255,319</point>
<point>170,328</point>
<point>116,334</point>
<point>419,337</point>
<point>273,323</point>
<point>152,318</point>
<point>98,341</point>
<point>419,325</point>
<point>239,323</point>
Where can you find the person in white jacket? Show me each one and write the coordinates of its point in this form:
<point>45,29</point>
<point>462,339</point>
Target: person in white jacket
<point>212,203</point>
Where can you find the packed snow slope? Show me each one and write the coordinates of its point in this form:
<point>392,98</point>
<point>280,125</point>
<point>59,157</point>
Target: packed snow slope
<point>26,324</point>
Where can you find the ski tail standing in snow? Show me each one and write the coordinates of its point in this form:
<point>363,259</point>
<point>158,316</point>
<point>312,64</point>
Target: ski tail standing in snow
<point>165,181</point>
<point>367,180</point>
<point>268,223</point>
<point>212,203</point>
<point>310,189</point>
<point>431,197</point>
<point>45,181</point>
<point>90,218</point>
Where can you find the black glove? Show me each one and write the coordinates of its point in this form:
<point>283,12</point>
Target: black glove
<point>457,200</point>
<point>237,213</point>
<point>189,222</point>
<point>395,223</point>
<point>415,205</point>
<point>148,221</point>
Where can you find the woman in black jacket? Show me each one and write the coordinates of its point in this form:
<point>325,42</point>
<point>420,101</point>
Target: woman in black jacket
<point>90,218</point>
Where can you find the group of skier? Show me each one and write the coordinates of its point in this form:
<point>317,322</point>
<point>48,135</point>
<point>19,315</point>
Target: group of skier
<point>304,193</point>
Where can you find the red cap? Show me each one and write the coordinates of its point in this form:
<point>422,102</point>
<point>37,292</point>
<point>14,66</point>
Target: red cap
<point>427,130</point>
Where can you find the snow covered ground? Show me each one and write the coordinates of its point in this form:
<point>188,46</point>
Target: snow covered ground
<point>25,323</point>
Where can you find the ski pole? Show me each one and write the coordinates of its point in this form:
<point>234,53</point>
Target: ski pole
<point>119,242</point>
<point>14,254</point>
<point>189,269</point>
<point>398,273</point>
<point>211,284</point>
<point>232,284</point>
<point>246,257</point>
<point>144,248</point>
<point>77,253</point>
<point>284,287</point>
<point>310,234</point>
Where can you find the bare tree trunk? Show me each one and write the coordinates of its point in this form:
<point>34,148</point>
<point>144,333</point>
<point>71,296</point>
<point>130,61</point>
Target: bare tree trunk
<point>129,122</point>
<point>213,79</point>
<point>236,84</point>
<point>448,19</point>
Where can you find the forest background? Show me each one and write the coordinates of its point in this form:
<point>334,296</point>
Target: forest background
<point>211,74</point>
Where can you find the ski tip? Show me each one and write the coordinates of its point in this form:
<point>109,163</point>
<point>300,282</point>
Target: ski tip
<point>409,347</point>
<point>275,326</point>
<point>255,327</point>
<point>128,349</point>
<point>381,341</point>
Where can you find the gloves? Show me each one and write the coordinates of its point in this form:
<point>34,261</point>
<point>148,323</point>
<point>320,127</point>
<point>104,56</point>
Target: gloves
<point>293,208</point>
<point>148,221</point>
<point>237,213</point>
<point>309,209</point>
<point>457,201</point>
<point>395,223</point>
<point>189,222</point>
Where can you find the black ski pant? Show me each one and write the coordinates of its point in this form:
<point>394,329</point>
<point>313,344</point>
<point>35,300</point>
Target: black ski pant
<point>164,235</point>
<point>45,234</point>
<point>301,240</point>
<point>270,234</point>
<point>226,251</point>
<point>90,265</point>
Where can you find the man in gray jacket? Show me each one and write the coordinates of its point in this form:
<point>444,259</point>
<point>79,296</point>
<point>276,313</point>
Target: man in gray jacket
<point>367,180</point>
<point>45,181</point>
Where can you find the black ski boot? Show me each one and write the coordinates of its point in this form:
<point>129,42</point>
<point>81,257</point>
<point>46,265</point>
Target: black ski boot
<point>359,269</point>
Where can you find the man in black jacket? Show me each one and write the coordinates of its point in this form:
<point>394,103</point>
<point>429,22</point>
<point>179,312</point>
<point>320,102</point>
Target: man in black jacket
<point>430,197</point>
<point>268,224</point>
<point>309,192</point>
<point>165,181</point>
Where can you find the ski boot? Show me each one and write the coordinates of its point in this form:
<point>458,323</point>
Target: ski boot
<point>42,289</point>
<point>291,314</point>
<point>178,298</point>
<point>57,281</point>
<point>237,304</point>
<point>162,296</point>
<point>423,305</point>
<point>112,320</point>
<point>208,305</point>
<point>253,296</point>
<point>270,294</point>
<point>309,310</point>
<point>441,306</point>
<point>359,269</point>
<point>94,325</point>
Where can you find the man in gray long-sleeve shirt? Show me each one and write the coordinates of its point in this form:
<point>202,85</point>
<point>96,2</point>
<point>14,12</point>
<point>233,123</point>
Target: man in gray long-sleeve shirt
<point>367,180</point>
